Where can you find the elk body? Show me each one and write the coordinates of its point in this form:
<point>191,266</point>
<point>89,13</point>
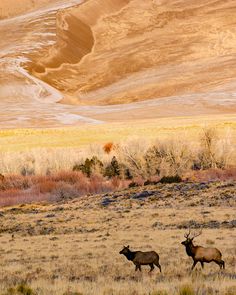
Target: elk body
<point>202,254</point>
<point>139,258</point>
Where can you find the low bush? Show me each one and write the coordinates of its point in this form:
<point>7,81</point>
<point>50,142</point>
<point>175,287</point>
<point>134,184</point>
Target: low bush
<point>113,169</point>
<point>21,289</point>
<point>93,165</point>
<point>171,179</point>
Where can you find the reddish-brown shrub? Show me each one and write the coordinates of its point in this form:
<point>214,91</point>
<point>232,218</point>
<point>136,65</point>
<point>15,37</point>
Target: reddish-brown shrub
<point>65,191</point>
<point>13,197</point>
<point>108,147</point>
<point>96,184</point>
<point>212,175</point>
<point>47,186</point>
<point>67,176</point>
<point>16,182</point>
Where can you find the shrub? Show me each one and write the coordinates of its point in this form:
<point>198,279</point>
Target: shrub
<point>21,289</point>
<point>186,290</point>
<point>133,184</point>
<point>47,186</point>
<point>153,159</point>
<point>108,147</point>
<point>17,182</point>
<point>113,169</point>
<point>171,179</point>
<point>213,175</point>
<point>131,155</point>
<point>151,182</point>
<point>90,166</point>
<point>25,290</point>
<point>27,171</point>
<point>215,152</point>
<point>71,177</point>
<point>64,191</point>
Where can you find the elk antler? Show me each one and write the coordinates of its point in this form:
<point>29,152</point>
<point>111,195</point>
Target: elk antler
<point>197,234</point>
<point>187,235</point>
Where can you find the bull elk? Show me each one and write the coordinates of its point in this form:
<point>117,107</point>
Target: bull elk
<point>201,254</point>
<point>139,258</point>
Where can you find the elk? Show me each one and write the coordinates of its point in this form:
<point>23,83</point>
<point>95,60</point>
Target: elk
<point>139,258</point>
<point>201,254</point>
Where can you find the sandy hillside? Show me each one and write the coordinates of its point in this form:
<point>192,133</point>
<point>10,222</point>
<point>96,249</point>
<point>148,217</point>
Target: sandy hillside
<point>133,50</point>
<point>9,8</point>
<point>71,62</point>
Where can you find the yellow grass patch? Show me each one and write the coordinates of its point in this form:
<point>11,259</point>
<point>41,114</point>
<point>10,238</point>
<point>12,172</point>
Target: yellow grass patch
<point>22,139</point>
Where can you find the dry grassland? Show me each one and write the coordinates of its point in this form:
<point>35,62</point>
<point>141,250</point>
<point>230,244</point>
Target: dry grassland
<point>73,247</point>
<point>190,127</point>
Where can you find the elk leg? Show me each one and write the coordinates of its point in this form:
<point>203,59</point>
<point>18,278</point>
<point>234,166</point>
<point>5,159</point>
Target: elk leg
<point>152,267</point>
<point>218,262</point>
<point>202,264</point>
<point>194,264</point>
<point>136,267</point>
<point>158,265</point>
<point>221,263</point>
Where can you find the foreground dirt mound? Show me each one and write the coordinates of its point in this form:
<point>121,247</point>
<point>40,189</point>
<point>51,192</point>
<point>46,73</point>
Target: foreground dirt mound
<point>116,51</point>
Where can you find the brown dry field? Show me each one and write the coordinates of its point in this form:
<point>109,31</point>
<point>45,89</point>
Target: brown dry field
<point>73,247</point>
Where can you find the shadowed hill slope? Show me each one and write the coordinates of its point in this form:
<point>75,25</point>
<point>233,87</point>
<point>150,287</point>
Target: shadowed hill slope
<point>131,50</point>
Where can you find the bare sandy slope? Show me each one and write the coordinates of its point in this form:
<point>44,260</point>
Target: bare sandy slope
<point>9,8</point>
<point>115,60</point>
<point>133,50</point>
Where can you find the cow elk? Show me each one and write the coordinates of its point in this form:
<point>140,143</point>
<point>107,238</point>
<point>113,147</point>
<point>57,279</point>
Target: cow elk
<point>139,258</point>
<point>201,254</point>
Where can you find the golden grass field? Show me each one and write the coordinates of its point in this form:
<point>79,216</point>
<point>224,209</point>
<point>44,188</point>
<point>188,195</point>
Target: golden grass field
<point>73,247</point>
<point>84,135</point>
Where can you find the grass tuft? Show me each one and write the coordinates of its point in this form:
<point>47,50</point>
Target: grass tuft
<point>186,290</point>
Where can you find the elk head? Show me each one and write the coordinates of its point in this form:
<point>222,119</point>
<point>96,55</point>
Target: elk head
<point>189,239</point>
<point>125,250</point>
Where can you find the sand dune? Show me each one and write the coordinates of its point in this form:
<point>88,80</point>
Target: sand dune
<point>131,50</point>
<point>115,60</point>
<point>10,8</point>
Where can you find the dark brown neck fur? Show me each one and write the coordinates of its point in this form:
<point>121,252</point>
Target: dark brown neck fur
<point>191,249</point>
<point>130,255</point>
